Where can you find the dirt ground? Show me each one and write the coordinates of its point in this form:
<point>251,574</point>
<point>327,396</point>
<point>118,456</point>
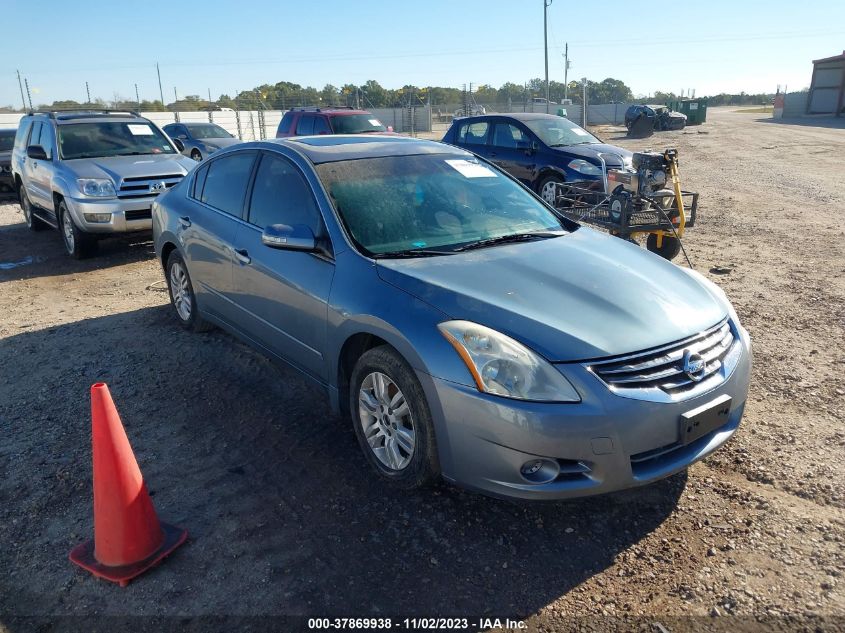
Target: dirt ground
<point>285,518</point>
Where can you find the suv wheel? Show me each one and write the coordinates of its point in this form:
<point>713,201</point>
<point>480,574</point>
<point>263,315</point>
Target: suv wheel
<point>32,223</point>
<point>78,243</point>
<point>195,154</point>
<point>391,419</point>
<point>182,297</point>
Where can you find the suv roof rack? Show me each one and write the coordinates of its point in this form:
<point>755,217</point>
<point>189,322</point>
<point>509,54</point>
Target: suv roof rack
<point>321,108</point>
<point>72,113</point>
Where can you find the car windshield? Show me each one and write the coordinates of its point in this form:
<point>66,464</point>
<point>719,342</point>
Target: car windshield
<point>558,131</point>
<point>111,138</point>
<point>208,130</point>
<point>7,140</point>
<point>430,204</point>
<point>356,124</point>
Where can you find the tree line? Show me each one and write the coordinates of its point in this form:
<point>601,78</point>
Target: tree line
<point>284,95</point>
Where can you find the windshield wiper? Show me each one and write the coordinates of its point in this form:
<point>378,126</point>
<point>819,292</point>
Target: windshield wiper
<point>506,239</point>
<point>411,252</point>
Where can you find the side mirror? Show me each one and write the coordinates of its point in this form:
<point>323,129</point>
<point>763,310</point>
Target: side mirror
<point>524,146</point>
<point>36,152</point>
<point>179,144</point>
<point>291,238</point>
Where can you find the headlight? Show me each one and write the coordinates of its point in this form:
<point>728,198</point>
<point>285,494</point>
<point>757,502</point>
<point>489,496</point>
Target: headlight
<point>502,366</point>
<point>211,148</point>
<point>585,167</point>
<point>96,187</point>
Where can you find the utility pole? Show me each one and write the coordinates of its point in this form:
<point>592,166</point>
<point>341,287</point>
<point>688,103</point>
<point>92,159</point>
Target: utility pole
<point>137,98</point>
<point>584,103</point>
<point>87,92</point>
<point>546,5</point>
<point>160,91</point>
<point>566,72</point>
<point>209,95</point>
<point>20,85</point>
<point>28,94</point>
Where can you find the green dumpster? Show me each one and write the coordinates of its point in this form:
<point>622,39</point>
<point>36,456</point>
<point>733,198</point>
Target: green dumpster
<point>695,109</point>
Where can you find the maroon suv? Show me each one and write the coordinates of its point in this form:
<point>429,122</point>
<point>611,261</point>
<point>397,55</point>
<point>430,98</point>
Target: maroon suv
<point>336,120</point>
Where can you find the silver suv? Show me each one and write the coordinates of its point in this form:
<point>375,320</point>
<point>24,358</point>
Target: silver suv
<point>92,174</point>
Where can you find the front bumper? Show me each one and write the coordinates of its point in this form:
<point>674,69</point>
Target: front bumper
<point>126,215</point>
<point>602,444</point>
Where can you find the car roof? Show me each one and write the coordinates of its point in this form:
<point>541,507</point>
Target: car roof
<point>336,147</point>
<point>519,116</point>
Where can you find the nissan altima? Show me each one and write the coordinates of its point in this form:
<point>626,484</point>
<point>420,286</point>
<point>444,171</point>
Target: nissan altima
<point>466,330</point>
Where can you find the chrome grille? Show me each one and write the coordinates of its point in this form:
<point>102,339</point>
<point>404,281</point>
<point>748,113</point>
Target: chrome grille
<point>647,375</point>
<point>141,187</point>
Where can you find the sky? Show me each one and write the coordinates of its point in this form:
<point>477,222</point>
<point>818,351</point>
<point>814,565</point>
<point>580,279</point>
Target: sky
<point>227,46</point>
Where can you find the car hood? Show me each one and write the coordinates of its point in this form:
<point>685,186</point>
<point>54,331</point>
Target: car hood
<point>613,156</point>
<point>223,141</point>
<point>119,167</point>
<point>580,296</point>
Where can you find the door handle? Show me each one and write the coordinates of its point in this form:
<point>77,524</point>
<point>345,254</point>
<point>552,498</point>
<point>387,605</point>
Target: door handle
<point>185,221</point>
<point>492,153</point>
<point>242,255</point>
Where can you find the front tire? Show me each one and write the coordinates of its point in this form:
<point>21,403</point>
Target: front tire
<point>548,188</point>
<point>78,243</point>
<point>196,155</point>
<point>392,420</point>
<point>182,296</point>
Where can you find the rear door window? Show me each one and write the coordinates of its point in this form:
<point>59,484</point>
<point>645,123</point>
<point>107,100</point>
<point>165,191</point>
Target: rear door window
<point>305,126</point>
<point>321,126</point>
<point>226,182</point>
<point>473,133</point>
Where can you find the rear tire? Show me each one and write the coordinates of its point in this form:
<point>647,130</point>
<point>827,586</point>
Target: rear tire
<point>668,250</point>
<point>78,243</point>
<point>32,223</point>
<point>392,420</point>
<point>182,297</point>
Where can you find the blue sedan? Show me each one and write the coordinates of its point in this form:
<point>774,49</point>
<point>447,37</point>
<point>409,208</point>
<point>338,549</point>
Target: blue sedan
<point>466,330</point>
<point>539,150</point>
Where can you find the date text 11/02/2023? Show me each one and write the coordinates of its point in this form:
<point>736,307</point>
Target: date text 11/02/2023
<point>414,624</point>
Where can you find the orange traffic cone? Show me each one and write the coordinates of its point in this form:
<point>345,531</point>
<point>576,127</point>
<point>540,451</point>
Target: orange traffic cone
<point>128,537</point>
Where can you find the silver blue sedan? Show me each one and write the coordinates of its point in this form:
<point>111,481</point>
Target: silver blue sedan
<point>466,330</point>
<point>199,140</point>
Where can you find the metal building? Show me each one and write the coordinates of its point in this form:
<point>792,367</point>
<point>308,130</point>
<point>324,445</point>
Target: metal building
<point>827,88</point>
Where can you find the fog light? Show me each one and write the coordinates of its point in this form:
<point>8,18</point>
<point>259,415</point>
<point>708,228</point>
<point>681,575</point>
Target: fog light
<point>540,471</point>
<point>97,217</point>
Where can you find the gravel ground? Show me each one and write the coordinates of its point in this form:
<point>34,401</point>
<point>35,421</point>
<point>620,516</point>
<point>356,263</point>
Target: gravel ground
<point>285,518</point>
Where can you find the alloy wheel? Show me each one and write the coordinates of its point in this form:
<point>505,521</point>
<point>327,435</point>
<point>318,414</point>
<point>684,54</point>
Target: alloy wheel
<point>67,233</point>
<point>549,192</point>
<point>180,290</point>
<point>386,421</point>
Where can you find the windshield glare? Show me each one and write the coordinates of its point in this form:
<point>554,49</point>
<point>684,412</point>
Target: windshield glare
<point>356,124</point>
<point>559,131</point>
<point>208,130</point>
<point>432,202</point>
<point>111,138</point>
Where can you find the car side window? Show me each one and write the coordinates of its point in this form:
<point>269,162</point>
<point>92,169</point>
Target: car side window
<point>34,134</point>
<point>199,182</point>
<point>305,125</point>
<point>507,136</point>
<point>45,140</point>
<point>286,123</point>
<point>22,133</point>
<point>473,133</point>
<point>281,195</point>
<point>321,126</point>
<point>226,182</point>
